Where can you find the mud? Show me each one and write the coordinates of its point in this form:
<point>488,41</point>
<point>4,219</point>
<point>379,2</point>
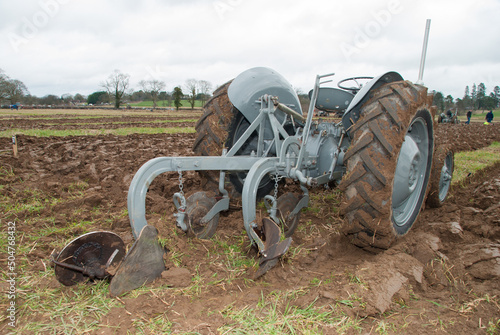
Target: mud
<point>446,270</point>
<point>71,122</point>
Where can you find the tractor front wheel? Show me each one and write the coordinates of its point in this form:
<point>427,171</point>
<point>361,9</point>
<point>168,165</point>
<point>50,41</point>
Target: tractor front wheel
<point>388,165</point>
<point>441,175</point>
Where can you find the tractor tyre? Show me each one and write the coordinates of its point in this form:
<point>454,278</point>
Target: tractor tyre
<point>388,165</point>
<point>220,126</point>
<point>441,175</point>
<point>212,130</point>
<point>214,125</point>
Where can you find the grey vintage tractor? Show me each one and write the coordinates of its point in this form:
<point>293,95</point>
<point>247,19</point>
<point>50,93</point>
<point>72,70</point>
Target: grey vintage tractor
<point>253,129</point>
<point>448,117</point>
<point>253,133</point>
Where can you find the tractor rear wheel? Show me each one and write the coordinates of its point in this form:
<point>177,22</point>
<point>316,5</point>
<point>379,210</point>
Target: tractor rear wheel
<point>388,165</point>
<point>212,130</point>
<point>214,125</point>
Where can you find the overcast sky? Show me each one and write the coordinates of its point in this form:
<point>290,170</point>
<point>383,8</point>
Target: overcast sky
<point>70,46</point>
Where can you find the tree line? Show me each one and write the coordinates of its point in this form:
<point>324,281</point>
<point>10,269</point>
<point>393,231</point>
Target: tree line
<point>115,89</point>
<point>475,99</point>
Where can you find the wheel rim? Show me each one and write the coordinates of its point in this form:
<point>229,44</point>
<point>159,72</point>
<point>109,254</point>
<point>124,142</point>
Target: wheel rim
<point>411,170</point>
<point>446,176</point>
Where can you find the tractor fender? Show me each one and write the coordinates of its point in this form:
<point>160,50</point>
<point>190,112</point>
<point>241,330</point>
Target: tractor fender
<point>247,88</point>
<point>351,114</point>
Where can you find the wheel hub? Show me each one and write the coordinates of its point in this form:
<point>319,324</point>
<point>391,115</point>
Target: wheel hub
<point>445,178</point>
<point>411,172</point>
<point>407,171</point>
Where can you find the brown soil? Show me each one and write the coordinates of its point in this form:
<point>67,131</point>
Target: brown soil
<point>442,277</point>
<point>71,122</point>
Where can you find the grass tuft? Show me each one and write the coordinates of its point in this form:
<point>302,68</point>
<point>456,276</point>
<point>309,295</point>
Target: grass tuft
<point>467,163</point>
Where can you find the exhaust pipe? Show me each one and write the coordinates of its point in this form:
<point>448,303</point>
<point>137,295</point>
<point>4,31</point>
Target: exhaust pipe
<point>424,52</point>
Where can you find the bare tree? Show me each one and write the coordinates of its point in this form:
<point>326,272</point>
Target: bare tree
<point>153,87</point>
<point>12,90</point>
<point>191,86</point>
<point>79,98</point>
<point>15,90</point>
<point>67,98</point>
<point>117,85</point>
<point>205,88</point>
<point>3,85</point>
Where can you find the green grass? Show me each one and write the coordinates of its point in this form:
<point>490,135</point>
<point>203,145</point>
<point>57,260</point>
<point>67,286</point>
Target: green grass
<point>69,309</point>
<point>130,119</point>
<point>276,313</point>
<point>482,116</point>
<point>94,132</point>
<point>120,123</point>
<point>32,201</point>
<point>470,162</point>
<point>232,257</point>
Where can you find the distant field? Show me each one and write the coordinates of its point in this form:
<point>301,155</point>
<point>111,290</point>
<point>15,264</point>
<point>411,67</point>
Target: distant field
<point>479,117</point>
<point>78,122</point>
<point>98,113</point>
<point>165,103</point>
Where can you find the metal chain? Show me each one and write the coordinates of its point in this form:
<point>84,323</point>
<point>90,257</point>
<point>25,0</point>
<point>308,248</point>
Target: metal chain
<point>181,185</point>
<point>276,178</point>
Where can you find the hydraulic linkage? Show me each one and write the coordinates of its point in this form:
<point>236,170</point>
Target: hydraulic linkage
<point>283,155</point>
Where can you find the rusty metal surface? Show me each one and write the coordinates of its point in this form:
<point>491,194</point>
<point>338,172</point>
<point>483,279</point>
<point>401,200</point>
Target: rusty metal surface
<point>286,204</point>
<point>142,265</point>
<point>273,247</point>
<point>197,206</point>
<point>90,252</point>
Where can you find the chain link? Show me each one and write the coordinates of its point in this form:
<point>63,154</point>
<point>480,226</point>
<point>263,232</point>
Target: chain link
<point>276,179</point>
<point>181,185</point>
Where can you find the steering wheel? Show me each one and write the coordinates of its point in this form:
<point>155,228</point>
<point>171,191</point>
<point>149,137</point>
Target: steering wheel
<point>356,82</point>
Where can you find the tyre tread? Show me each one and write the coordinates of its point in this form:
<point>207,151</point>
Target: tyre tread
<point>371,161</point>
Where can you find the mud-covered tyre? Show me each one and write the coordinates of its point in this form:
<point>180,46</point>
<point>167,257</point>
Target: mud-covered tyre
<point>441,176</point>
<point>220,126</point>
<point>212,130</point>
<point>388,165</point>
<point>214,125</point>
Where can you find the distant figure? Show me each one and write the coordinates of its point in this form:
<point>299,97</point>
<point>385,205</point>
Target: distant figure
<point>448,112</point>
<point>14,106</point>
<point>489,117</point>
<point>469,115</point>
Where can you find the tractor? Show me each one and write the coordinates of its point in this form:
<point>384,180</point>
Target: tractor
<point>448,117</point>
<point>253,133</point>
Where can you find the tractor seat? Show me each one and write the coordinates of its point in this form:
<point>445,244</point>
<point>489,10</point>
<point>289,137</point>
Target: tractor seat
<point>332,99</point>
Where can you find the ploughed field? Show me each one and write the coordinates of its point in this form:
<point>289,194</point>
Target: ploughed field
<point>442,277</point>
